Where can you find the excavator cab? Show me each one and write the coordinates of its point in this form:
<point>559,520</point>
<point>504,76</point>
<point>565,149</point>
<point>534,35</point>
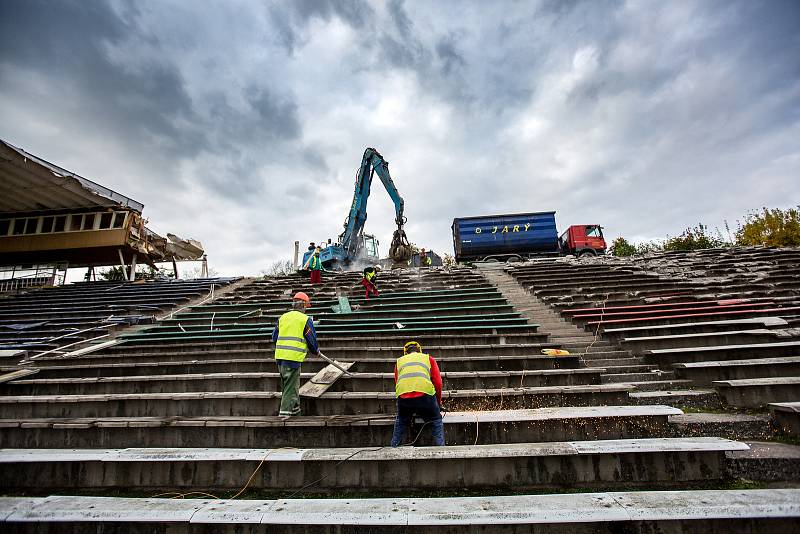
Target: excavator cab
<point>371,247</point>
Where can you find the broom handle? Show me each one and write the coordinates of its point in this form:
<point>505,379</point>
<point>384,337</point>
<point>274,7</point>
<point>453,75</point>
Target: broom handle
<point>333,363</point>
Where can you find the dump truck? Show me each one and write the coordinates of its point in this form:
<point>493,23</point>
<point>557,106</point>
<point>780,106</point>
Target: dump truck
<point>522,235</point>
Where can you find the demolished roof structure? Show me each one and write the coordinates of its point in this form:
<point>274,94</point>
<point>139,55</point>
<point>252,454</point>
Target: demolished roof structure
<point>50,215</point>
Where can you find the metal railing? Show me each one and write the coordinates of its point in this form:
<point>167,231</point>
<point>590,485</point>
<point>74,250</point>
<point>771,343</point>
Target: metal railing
<point>13,284</point>
<point>13,277</point>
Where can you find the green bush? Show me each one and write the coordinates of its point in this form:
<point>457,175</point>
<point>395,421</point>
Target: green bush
<point>770,227</point>
<point>621,247</point>
<point>696,238</point>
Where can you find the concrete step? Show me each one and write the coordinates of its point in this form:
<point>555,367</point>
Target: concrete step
<point>397,341</point>
<point>612,362</point>
<point>665,357</point>
<point>730,511</point>
<point>197,382</point>
<point>787,417</point>
<point>604,354</point>
<point>582,341</point>
<point>634,368</point>
<point>638,377</point>
<point>685,398</point>
<point>703,373</point>
<point>695,327</point>
<point>606,463</point>
<point>373,430</point>
<point>735,426</point>
<point>765,461</point>
<point>442,352</point>
<point>758,392</point>
<point>659,385</point>
<point>707,339</point>
<point>262,403</point>
<point>85,367</point>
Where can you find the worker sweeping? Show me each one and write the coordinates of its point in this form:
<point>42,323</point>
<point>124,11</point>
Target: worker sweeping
<point>370,280</point>
<point>294,337</point>
<point>314,265</point>
<point>418,386</point>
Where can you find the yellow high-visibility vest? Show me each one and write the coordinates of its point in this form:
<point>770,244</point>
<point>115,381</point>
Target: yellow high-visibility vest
<point>414,374</point>
<point>291,343</point>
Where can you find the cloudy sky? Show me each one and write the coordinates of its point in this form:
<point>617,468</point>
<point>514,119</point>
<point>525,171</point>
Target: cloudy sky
<point>242,123</point>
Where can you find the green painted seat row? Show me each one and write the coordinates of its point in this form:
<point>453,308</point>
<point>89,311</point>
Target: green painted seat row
<point>314,310</point>
<point>266,333</point>
<point>410,296</point>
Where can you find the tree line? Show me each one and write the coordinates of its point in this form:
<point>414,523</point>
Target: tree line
<point>768,227</point>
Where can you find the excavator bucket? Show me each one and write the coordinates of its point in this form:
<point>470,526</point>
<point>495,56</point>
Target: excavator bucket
<point>400,250</point>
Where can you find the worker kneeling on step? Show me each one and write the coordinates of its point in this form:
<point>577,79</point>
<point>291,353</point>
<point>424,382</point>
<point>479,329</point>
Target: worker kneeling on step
<point>370,280</point>
<point>418,385</point>
<point>294,337</point>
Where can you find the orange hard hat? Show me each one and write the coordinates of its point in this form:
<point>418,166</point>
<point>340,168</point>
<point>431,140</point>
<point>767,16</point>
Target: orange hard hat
<point>301,296</point>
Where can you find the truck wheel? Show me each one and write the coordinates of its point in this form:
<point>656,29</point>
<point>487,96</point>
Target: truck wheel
<point>587,254</point>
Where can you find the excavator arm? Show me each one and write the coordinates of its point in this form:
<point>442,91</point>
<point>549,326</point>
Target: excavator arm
<point>373,163</point>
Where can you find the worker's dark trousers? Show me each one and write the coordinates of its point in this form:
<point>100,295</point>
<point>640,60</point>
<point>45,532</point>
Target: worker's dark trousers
<point>316,276</point>
<point>290,385</point>
<point>426,407</point>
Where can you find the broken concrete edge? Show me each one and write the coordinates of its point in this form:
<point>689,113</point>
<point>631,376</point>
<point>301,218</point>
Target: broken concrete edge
<point>519,509</point>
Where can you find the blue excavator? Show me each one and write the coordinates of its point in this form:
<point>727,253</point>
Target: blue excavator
<point>354,248</point>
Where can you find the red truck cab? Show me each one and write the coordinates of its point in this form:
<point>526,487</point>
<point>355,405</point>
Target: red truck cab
<point>581,239</point>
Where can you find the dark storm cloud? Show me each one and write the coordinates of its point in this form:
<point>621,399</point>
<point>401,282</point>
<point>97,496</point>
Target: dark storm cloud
<point>290,18</point>
<point>401,47</point>
<point>144,104</point>
<point>67,41</point>
<point>447,51</point>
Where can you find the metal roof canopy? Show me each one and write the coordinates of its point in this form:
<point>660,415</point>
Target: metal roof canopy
<point>29,184</point>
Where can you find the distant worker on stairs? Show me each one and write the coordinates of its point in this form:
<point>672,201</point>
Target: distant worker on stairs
<point>424,259</point>
<point>294,337</point>
<point>418,386</point>
<point>314,265</point>
<point>370,279</point>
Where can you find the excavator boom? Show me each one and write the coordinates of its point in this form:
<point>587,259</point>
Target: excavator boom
<point>373,163</point>
<point>351,241</point>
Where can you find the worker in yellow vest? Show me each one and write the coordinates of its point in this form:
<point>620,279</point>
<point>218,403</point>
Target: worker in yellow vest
<point>294,337</point>
<point>370,281</point>
<point>418,386</point>
<point>424,259</point>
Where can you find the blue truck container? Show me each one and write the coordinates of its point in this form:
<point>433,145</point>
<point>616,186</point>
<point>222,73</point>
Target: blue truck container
<point>523,234</point>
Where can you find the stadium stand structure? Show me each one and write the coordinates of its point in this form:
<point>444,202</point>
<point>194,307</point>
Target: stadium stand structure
<point>536,443</point>
<point>52,219</point>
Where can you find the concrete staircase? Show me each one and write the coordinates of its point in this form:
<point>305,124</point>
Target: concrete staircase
<point>621,366</point>
<point>186,408</point>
